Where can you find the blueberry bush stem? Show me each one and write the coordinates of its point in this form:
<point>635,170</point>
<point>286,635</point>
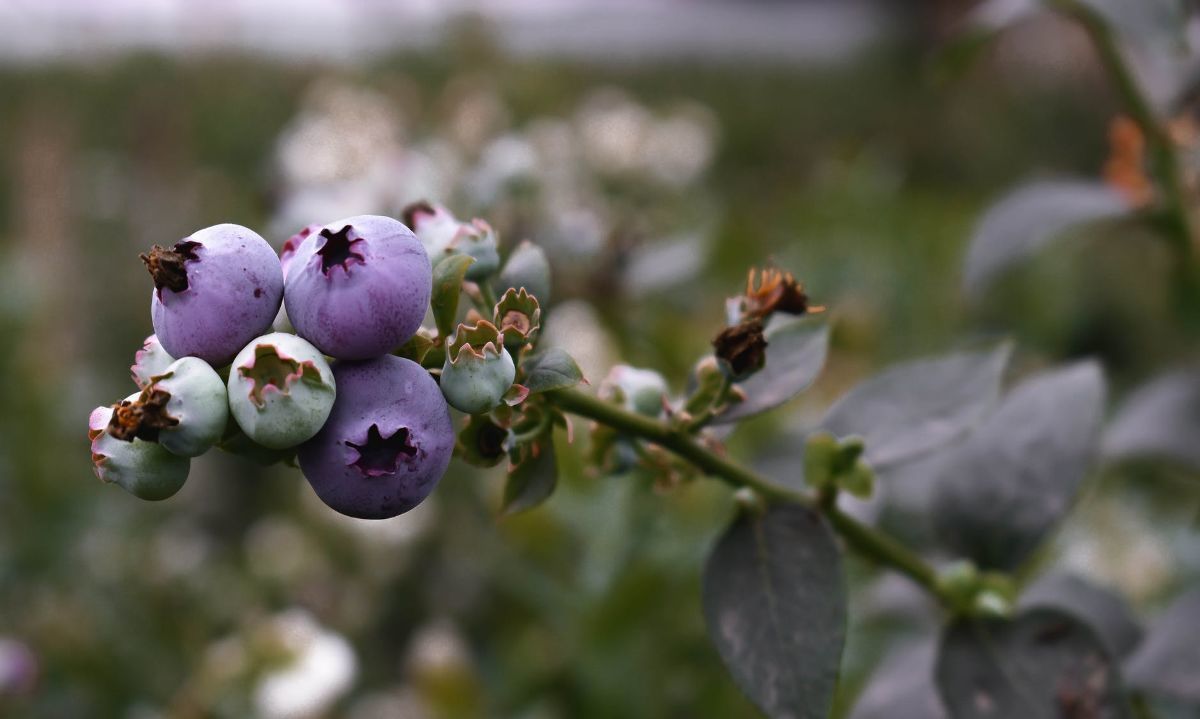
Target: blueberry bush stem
<point>865,540</point>
<point>1165,162</point>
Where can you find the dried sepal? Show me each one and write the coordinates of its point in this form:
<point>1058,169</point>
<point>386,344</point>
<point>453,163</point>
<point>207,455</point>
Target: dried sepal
<point>742,348</point>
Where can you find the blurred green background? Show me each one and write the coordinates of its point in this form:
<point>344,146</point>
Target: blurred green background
<point>655,185</point>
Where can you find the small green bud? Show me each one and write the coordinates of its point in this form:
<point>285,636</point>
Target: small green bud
<point>820,456</point>
<point>709,380</point>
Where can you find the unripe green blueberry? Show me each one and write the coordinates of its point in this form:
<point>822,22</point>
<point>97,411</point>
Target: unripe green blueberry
<point>144,469</point>
<point>640,390</point>
<point>441,233</point>
<point>281,390</point>
<point>477,239</point>
<point>150,360</point>
<point>197,402</point>
<point>478,370</point>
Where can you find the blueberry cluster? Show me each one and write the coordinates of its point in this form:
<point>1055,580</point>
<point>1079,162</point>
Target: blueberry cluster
<point>294,354</point>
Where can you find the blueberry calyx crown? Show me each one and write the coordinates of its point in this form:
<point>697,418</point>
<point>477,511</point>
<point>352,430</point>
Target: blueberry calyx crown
<point>380,455</point>
<point>270,368</point>
<point>167,266</point>
<point>338,249</point>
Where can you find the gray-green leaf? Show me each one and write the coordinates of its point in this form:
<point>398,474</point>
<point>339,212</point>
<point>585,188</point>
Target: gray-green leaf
<point>1028,218</point>
<point>1000,491</point>
<point>448,276</point>
<point>916,407</point>
<point>533,481</point>
<point>1043,665</point>
<point>1160,419</point>
<point>550,369</point>
<point>775,604</point>
<point>1168,661</point>
<point>1105,611</point>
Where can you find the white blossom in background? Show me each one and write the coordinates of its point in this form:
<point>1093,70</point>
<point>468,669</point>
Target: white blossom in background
<point>506,161</point>
<point>612,130</point>
<point>344,154</point>
<point>1116,545</point>
<point>320,668</point>
<point>342,132</point>
<point>438,648</point>
<point>278,548</point>
<point>339,156</point>
<point>180,550</point>
<point>680,147</point>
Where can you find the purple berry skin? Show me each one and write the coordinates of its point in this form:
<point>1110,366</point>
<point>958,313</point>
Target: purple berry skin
<point>214,291</point>
<point>387,442</point>
<point>358,288</point>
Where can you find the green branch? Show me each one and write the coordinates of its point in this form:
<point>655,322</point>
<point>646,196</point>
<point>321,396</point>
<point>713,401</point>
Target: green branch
<point>865,540</point>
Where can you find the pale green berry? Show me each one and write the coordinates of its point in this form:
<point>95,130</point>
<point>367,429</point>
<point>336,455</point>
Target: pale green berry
<point>281,390</point>
<point>640,390</point>
<point>478,370</point>
<point>198,404</point>
<point>143,468</point>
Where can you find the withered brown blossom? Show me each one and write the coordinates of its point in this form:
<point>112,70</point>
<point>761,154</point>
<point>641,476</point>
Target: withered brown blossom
<point>775,291</point>
<point>742,346</point>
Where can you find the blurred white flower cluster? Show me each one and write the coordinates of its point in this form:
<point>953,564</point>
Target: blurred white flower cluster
<point>347,152</point>
<point>297,667</point>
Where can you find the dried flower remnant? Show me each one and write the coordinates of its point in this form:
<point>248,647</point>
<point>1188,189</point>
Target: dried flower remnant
<point>772,290</point>
<point>742,348</point>
<point>1125,169</point>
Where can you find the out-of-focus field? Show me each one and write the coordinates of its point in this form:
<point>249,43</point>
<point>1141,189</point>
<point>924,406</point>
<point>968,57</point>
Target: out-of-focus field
<point>863,177</point>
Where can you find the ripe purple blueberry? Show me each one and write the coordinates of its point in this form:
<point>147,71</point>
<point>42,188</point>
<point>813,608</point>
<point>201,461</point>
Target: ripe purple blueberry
<point>281,390</point>
<point>143,468</point>
<point>214,291</point>
<point>358,288</point>
<point>387,442</point>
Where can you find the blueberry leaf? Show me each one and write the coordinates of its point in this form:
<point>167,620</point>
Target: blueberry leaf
<point>1105,611</point>
<point>1045,664</point>
<point>1160,419</point>
<point>1029,218</point>
<point>914,408</point>
<point>1001,490</point>
<point>796,352</point>
<point>775,604</point>
<point>448,276</point>
<point>550,369</point>
<point>533,480</point>
<point>1167,661</point>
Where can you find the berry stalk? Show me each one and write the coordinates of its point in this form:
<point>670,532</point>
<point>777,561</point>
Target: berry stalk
<point>865,540</point>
